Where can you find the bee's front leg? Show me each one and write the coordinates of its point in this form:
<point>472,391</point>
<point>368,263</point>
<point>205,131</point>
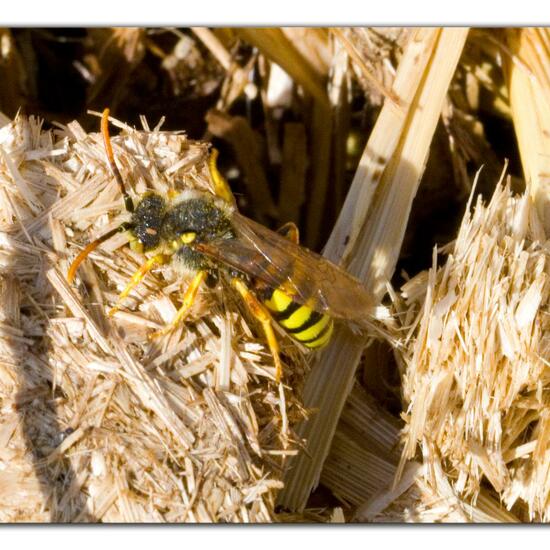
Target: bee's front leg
<point>137,277</point>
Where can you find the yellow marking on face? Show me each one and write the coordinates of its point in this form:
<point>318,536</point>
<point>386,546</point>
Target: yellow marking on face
<point>137,246</point>
<point>313,331</point>
<point>298,318</point>
<point>323,340</point>
<point>189,237</point>
<point>279,301</point>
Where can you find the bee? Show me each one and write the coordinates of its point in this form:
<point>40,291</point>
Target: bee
<point>202,235</point>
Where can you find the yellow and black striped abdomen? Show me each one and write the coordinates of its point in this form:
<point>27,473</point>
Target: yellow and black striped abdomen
<point>308,327</point>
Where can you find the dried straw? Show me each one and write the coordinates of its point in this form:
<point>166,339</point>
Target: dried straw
<point>382,191</point>
<point>276,45</point>
<point>476,373</point>
<point>99,424</point>
<point>529,85</point>
<point>96,422</point>
<point>474,367</point>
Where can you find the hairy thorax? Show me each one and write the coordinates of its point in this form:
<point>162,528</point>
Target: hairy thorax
<point>170,225</point>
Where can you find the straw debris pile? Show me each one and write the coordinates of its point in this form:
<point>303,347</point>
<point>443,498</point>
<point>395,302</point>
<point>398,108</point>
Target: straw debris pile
<point>369,140</point>
<point>97,423</point>
<point>475,370</point>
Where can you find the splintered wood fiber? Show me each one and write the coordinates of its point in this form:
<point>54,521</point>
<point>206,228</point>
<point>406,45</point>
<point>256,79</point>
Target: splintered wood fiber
<point>475,360</point>
<point>99,423</point>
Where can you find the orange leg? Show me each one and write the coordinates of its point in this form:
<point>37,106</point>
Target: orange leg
<point>159,259</point>
<point>259,311</point>
<point>188,300</point>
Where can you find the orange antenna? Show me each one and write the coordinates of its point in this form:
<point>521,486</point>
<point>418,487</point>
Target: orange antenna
<point>89,249</point>
<point>128,203</point>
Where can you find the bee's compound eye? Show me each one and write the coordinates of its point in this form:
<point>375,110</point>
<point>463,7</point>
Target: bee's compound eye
<point>147,220</point>
<point>188,237</point>
<point>136,245</point>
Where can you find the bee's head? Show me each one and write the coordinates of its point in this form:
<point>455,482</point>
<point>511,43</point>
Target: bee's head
<point>146,223</point>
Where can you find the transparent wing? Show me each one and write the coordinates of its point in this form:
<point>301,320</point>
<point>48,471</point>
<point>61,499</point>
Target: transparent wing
<point>302,274</point>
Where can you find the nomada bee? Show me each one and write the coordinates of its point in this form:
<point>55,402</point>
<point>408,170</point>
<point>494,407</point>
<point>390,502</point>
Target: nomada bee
<point>203,234</point>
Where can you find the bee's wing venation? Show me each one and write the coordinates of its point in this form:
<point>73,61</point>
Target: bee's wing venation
<point>304,275</point>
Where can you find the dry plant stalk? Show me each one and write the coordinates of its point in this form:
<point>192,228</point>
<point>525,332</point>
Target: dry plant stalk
<point>304,55</point>
<point>361,467</point>
<point>236,74</point>
<point>364,455</point>
<point>426,502</point>
<point>119,52</point>
<point>293,172</point>
<point>370,229</point>
<point>355,55</point>
<point>476,378</point>
<point>96,422</point>
<point>275,45</point>
<point>313,44</point>
<point>529,84</point>
<point>236,131</point>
